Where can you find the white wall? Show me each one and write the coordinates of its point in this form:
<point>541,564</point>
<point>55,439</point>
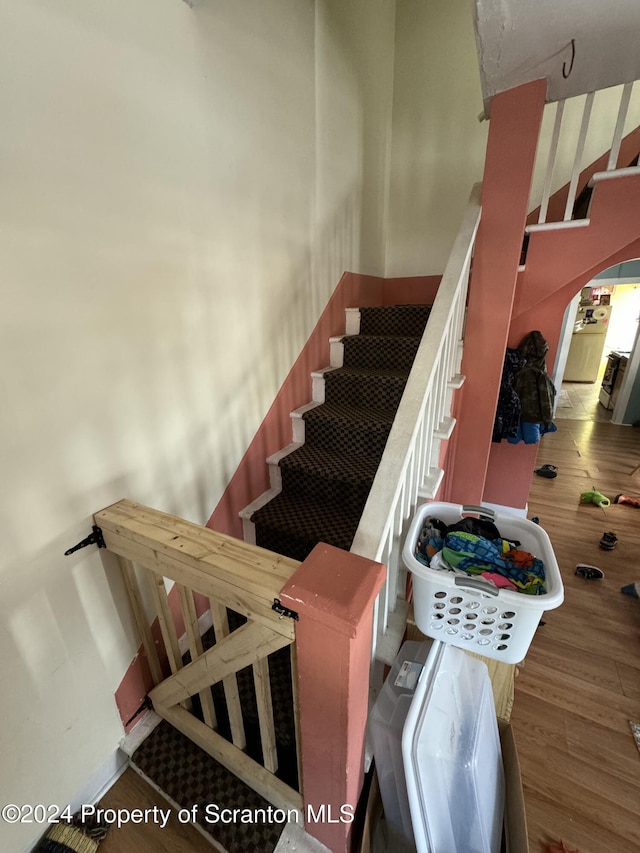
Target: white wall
<point>180,192</point>
<point>625,315</point>
<point>438,144</point>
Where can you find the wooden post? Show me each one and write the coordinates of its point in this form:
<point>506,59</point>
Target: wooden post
<point>516,117</point>
<point>333,592</point>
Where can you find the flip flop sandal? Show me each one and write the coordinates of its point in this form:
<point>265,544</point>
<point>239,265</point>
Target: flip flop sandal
<point>549,471</point>
<point>589,573</point>
<point>608,541</point>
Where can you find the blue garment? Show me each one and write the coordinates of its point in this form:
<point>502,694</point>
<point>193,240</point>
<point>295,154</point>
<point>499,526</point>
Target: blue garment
<point>531,433</point>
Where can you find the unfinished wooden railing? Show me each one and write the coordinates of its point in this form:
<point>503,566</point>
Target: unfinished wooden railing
<point>228,575</point>
<point>409,471</point>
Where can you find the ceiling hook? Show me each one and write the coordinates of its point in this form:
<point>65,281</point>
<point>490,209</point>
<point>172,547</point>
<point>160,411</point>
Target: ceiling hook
<point>566,73</point>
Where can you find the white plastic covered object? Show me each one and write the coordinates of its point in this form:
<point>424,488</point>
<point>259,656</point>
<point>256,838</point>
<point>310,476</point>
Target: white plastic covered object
<point>452,757</point>
<point>386,724</point>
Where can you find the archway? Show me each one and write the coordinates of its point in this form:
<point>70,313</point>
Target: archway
<point>618,391</point>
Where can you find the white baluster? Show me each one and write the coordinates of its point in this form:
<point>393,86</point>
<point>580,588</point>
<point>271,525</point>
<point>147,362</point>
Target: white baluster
<point>577,163</point>
<point>551,162</point>
<point>625,97</point>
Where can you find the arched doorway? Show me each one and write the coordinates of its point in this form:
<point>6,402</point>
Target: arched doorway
<point>600,383</point>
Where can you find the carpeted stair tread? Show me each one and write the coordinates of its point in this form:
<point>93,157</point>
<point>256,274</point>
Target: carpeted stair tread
<point>296,525</point>
<point>394,320</point>
<point>345,414</point>
<point>357,467</point>
<point>189,776</point>
<point>378,352</point>
<point>344,428</point>
<point>390,374</point>
<point>344,480</point>
<point>380,390</point>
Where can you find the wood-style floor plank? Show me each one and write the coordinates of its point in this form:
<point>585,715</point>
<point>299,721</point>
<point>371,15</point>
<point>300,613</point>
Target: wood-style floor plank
<point>133,792</point>
<point>580,683</point>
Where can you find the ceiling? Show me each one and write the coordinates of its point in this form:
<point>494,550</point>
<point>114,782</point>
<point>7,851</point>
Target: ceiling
<point>578,45</point>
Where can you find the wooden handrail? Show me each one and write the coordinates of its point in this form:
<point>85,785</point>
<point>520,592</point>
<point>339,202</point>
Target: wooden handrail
<point>243,577</point>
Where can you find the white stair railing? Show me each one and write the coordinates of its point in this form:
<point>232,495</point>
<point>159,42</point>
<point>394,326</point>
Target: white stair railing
<point>564,152</point>
<point>409,469</point>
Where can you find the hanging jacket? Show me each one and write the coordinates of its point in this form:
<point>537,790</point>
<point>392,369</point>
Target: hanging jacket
<point>507,418</point>
<point>533,385</point>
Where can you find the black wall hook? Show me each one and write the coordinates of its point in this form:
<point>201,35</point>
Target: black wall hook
<point>566,73</point>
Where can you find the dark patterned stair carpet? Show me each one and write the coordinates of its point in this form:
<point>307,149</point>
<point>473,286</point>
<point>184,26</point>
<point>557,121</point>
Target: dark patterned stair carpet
<point>371,352</point>
<point>192,778</point>
<point>376,390</point>
<point>391,320</point>
<point>326,482</point>
<point>300,525</point>
<point>342,428</point>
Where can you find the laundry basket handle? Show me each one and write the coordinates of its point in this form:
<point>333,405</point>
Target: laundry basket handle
<point>480,510</point>
<point>481,584</point>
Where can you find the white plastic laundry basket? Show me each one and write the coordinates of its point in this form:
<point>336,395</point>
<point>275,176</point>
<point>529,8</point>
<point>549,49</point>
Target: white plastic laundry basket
<point>471,612</point>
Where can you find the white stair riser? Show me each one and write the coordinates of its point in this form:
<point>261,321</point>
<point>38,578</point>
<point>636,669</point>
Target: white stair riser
<point>352,321</point>
<point>336,352</point>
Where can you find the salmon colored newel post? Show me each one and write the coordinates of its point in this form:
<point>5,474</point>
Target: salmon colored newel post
<point>516,117</point>
<point>333,592</point>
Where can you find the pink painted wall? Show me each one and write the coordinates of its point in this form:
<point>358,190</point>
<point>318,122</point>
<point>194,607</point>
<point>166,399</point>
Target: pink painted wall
<point>515,122</point>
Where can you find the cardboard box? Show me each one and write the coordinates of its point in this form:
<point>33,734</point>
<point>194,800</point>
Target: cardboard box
<point>517,840</point>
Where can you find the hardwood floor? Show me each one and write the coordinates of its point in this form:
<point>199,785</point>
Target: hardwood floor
<point>132,792</point>
<point>580,683</point>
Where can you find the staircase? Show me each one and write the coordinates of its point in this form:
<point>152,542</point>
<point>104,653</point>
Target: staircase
<point>321,481</point>
<point>364,453</point>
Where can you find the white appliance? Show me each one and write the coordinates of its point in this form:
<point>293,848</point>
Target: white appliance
<point>587,343</point>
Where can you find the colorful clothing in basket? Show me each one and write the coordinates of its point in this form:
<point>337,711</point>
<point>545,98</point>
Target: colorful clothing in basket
<point>476,555</point>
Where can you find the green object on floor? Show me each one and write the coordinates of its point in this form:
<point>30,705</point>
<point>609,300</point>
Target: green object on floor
<point>596,498</point>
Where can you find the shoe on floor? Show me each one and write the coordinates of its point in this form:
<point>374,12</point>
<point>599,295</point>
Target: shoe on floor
<point>596,498</point>
<point>608,541</point>
<point>589,573</point>
<point>549,471</point>
<point>626,500</point>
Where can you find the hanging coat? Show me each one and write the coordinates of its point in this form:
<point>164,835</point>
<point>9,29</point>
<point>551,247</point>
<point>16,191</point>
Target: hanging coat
<point>507,418</point>
<point>533,385</point>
